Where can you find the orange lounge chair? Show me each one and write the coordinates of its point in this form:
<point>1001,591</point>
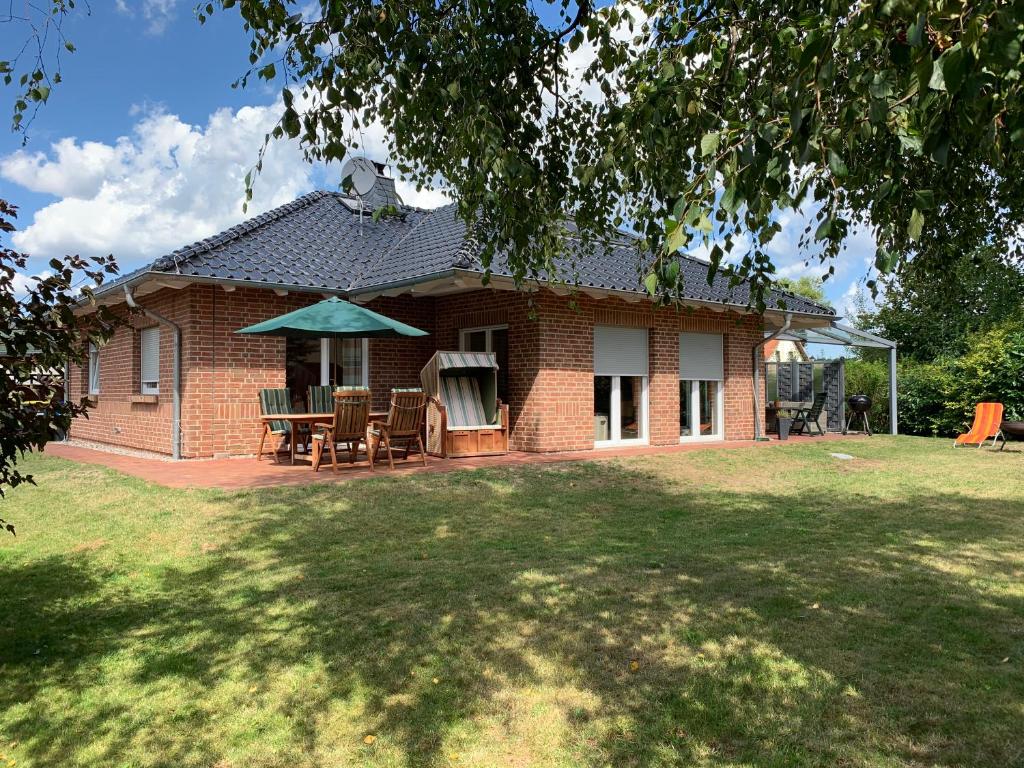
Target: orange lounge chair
<point>987,417</point>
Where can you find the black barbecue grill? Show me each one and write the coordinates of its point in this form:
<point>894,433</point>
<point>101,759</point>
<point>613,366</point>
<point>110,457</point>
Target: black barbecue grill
<point>859,406</point>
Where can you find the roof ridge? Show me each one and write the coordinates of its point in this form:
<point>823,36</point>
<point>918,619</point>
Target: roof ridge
<point>170,260</point>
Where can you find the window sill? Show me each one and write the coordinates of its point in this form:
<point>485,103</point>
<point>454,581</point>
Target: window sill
<point>143,398</point>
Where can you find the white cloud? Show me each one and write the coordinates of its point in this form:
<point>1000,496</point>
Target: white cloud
<point>167,184</point>
<point>158,14</point>
<point>21,284</point>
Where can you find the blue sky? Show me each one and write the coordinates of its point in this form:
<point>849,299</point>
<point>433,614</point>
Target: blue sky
<point>143,147</point>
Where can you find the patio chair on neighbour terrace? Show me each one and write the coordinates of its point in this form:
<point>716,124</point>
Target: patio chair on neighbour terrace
<point>807,418</point>
<point>351,419</point>
<point>987,418</point>
<point>404,423</point>
<point>272,402</point>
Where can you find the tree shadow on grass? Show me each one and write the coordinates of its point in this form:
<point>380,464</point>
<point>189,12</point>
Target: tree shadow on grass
<point>589,614</point>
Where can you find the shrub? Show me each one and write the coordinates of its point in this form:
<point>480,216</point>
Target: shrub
<point>922,392</point>
<point>993,369</point>
<point>938,398</point>
<point>871,378</point>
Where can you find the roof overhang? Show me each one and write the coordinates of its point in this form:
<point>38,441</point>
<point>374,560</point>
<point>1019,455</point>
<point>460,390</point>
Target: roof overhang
<point>442,283</point>
<point>152,281</point>
<point>838,334</point>
<point>462,281</point>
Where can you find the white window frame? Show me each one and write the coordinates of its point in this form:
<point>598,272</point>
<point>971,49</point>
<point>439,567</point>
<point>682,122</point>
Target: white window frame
<point>325,362</point>
<point>719,433</point>
<point>148,386</point>
<point>615,417</point>
<point>93,383</point>
<point>489,336</point>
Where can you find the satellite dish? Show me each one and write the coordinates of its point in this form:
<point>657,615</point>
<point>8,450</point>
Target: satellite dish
<point>358,175</point>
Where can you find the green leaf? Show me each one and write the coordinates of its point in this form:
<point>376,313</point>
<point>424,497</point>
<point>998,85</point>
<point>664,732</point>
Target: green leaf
<point>651,283</point>
<point>948,73</point>
<point>730,200</point>
<point>268,72</point>
<point>709,144</point>
<point>917,30</point>
<point>884,261</point>
<point>824,229</point>
<point>916,225</point>
<point>837,165</point>
<point>924,199</point>
<point>676,238</point>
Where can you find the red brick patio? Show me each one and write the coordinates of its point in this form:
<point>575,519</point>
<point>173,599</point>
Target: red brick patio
<point>241,473</point>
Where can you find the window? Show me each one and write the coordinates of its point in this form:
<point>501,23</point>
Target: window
<point>344,362</point>
<point>313,362</point>
<point>701,373</point>
<point>620,385</point>
<point>493,339</point>
<point>150,360</point>
<point>94,369</point>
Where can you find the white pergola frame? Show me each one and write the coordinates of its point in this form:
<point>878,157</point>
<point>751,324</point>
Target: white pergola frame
<point>839,334</point>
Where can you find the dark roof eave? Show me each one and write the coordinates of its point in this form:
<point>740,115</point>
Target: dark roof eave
<point>630,296</point>
<point>147,276</point>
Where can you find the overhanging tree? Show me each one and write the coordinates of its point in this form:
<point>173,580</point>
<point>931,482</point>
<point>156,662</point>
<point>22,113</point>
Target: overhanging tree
<point>41,333</point>
<point>693,122</point>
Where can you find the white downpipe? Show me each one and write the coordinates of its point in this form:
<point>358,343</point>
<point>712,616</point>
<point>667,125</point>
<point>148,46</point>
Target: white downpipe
<point>176,403</point>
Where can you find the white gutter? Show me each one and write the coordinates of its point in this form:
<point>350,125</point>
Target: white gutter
<point>757,374</point>
<point>176,407</point>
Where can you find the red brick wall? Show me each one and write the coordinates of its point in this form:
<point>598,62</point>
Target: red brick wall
<point>551,382</point>
<point>398,362</point>
<point>564,397</point>
<point>493,307</point>
<point>115,418</point>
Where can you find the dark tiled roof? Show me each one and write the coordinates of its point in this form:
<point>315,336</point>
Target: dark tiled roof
<point>319,242</point>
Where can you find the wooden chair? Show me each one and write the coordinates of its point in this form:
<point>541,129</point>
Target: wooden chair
<point>351,419</point>
<point>987,419</point>
<point>808,418</point>
<point>404,422</point>
<point>319,398</point>
<point>272,402</point>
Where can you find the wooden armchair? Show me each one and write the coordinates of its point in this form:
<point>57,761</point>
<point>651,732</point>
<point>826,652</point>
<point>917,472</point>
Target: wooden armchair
<point>351,419</point>
<point>404,423</point>
<point>273,402</point>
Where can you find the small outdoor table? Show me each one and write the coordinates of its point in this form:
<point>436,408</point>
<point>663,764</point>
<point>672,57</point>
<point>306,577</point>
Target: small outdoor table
<point>296,420</point>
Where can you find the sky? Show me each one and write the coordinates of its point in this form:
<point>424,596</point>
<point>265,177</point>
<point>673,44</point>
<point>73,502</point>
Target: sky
<point>145,145</point>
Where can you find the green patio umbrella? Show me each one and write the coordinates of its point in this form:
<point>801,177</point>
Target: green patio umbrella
<point>333,318</point>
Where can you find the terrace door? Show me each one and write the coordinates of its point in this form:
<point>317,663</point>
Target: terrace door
<point>312,362</point>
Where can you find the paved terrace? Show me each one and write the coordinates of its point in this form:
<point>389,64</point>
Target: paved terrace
<point>246,472</point>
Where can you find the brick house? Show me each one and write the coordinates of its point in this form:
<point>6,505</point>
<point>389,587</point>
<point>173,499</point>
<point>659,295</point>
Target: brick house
<point>591,364</point>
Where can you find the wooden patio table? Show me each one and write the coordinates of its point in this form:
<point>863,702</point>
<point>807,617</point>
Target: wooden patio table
<point>296,420</point>
<point>310,419</point>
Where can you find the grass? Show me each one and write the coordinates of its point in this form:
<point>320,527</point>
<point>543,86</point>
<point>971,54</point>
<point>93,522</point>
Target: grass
<point>771,607</point>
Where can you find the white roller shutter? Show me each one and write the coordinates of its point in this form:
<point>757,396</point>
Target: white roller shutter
<point>700,356</point>
<point>150,360</point>
<point>620,351</point>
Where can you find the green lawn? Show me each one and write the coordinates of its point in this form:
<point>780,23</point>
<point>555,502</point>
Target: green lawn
<point>771,607</point>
